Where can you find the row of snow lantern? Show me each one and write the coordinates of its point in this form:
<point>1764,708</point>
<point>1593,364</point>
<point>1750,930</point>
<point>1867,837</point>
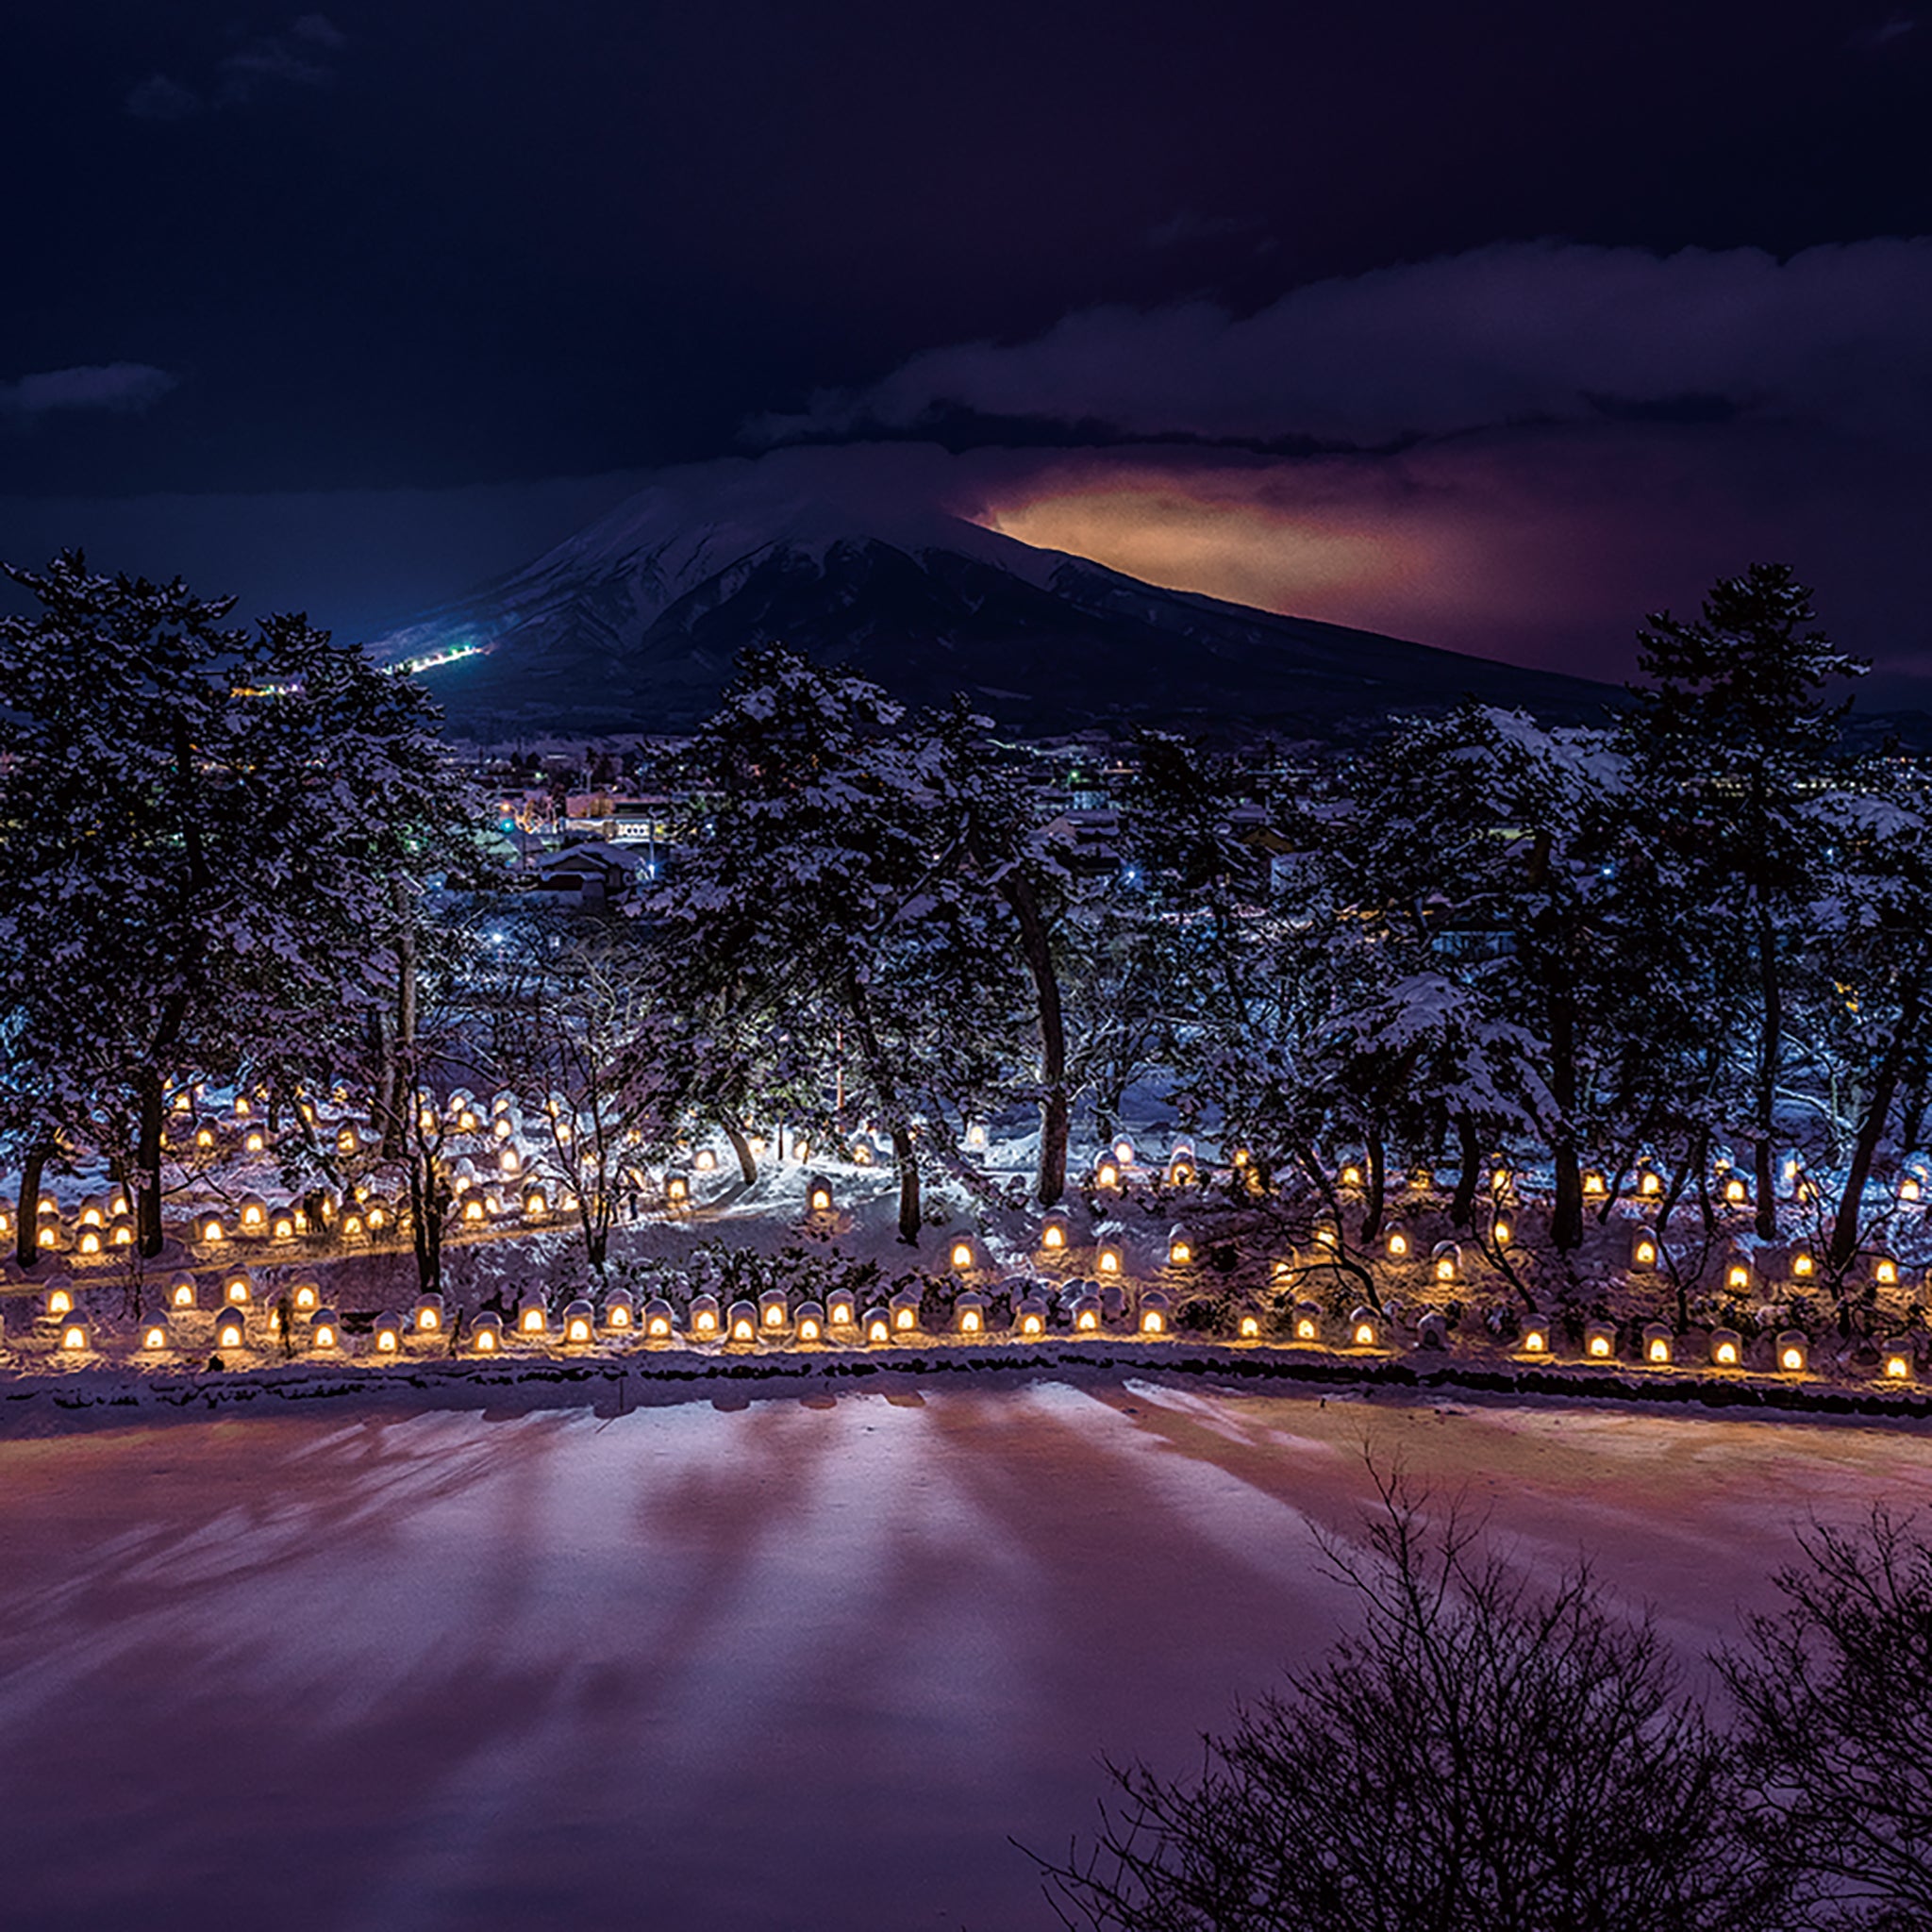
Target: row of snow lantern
<point>101,1223</point>
<point>1724,1348</point>
<point>1181,1168</point>
<point>1885,1270</point>
<point>1658,1346</point>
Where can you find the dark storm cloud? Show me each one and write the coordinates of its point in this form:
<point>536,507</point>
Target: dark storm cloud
<point>113,386</point>
<point>303,56</point>
<point>1495,337</point>
<point>159,98</point>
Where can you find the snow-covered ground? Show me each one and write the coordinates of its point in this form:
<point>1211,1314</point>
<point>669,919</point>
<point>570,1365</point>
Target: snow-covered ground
<point>755,1661</point>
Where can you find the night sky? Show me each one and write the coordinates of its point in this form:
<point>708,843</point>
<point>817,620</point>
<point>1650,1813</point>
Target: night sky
<point>1491,324</point>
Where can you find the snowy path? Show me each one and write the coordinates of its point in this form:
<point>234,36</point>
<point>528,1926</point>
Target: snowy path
<point>783,1663</point>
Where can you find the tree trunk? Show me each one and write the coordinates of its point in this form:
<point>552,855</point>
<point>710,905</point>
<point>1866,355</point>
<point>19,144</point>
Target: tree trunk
<point>1844,1228</point>
<point>1764,1161</point>
<point>26,1221</point>
<point>147,1165</point>
<point>1469,1151</point>
<point>910,1214</point>
<point>747,1164</point>
<point>399,1046</point>
<point>1566,1213</point>
<point>1376,1159</point>
<point>1056,1113</point>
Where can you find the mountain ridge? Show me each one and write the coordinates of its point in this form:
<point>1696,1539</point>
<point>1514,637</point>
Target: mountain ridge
<point>634,625</point>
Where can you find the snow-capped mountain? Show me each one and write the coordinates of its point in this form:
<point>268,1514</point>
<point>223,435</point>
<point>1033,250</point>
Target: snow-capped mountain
<point>634,623</point>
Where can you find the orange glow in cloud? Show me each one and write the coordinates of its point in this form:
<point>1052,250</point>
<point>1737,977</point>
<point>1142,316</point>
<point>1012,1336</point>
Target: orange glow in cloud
<point>1247,552</point>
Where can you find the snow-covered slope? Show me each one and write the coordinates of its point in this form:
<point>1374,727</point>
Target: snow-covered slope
<point>634,626</point>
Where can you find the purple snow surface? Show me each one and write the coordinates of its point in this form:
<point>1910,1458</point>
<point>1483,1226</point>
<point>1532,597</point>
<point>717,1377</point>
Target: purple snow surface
<point>785,1664</point>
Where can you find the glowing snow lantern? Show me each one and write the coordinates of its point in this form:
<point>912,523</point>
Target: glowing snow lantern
<point>467,1121</point>
<point>282,1225</point>
<point>1535,1338</point>
<point>510,1164</point>
<point>1106,1175</point>
<point>1351,1175</point>
<point>377,1217</point>
<point>1032,1317</point>
<point>122,1234</point>
<point>659,1319</point>
<point>1593,1185</point>
<point>818,1195</point>
<point>1802,1265</point>
<point>1087,1315</point>
<point>676,1191</point>
<point>742,1322</point>
<point>975,1138</point>
<point>90,1242</point>
<point>905,1313</point>
<point>348,1140</point>
<point>254,1215</point>
<point>969,1312</point>
<point>1793,1347</point>
<point>1249,1328</point>
<point>486,1333</point>
<point>841,1308</point>
<point>1599,1341</point>
<point>237,1288</point>
<point>1448,1258</point>
<point>60,1296</point>
<point>326,1331</point>
<point>388,1334</point>
<point>811,1323</point>
<point>1110,1260</point>
<point>1307,1321</point>
<point>1502,1233</point>
<point>205,1138</point>
<point>231,1329</point>
<point>354,1226</point>
<point>579,1324</point>
<point>1885,1271</point>
<point>1499,1180</point>
<point>154,1334</point>
<point>862,1155</point>
<point>1398,1246</point>
<point>1650,1184</point>
<point>1180,1247</point>
<point>210,1228</point>
<point>427,1319</point>
<point>1123,1152</point>
<point>703,1317</point>
<point>305,1297</point>
<point>1738,1276</point>
<point>475,1210</point>
<point>963,1254</point>
<point>775,1311</point>
<point>1910,1189</point>
<point>1153,1314</point>
<point>1181,1170</point>
<point>74,1337</point>
<point>535,1207</point>
<point>181,1291</point>
<point>1726,1349</point>
<point>1736,1192</point>
<point>255,1142</point>
<point>705,1161</point>
<point>1364,1329</point>
<point>878,1326</point>
<point>1896,1363</point>
<point>1053,1235</point>
<point>1644,1254</point>
<point>1658,1343</point>
<point>182,1103</point>
<point>620,1311</point>
<point>533,1320</point>
<point>90,1214</point>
